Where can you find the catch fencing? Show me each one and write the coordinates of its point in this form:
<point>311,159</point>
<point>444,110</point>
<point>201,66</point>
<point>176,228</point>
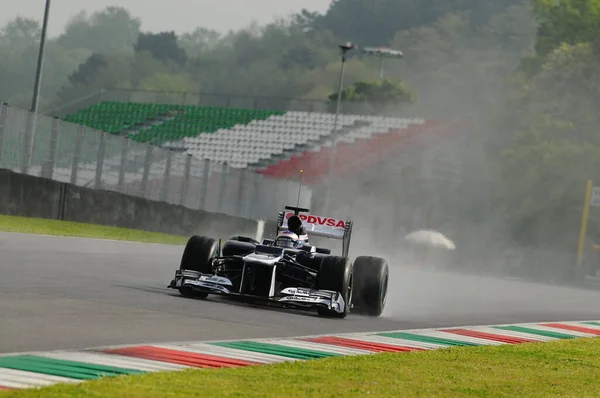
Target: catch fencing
<point>47,147</point>
<point>238,101</point>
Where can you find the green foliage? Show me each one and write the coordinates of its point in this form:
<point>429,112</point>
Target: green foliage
<point>375,23</point>
<point>375,94</point>
<point>198,42</point>
<point>163,46</point>
<point>86,72</point>
<point>112,30</point>
<point>21,33</point>
<point>296,57</point>
<point>18,54</point>
<point>538,81</point>
<point>566,21</point>
<point>165,82</point>
<point>99,72</point>
<point>543,179</point>
<point>554,149</point>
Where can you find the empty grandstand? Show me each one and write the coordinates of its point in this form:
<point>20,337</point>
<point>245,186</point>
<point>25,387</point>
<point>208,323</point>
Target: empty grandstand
<point>158,123</point>
<point>275,143</point>
<point>236,161</point>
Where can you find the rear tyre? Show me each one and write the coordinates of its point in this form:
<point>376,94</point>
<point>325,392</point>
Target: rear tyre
<point>371,275</point>
<point>335,274</point>
<point>197,256</point>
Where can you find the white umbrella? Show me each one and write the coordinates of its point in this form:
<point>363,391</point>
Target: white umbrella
<point>430,238</point>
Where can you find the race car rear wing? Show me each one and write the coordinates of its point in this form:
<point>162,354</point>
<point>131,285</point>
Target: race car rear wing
<point>319,226</point>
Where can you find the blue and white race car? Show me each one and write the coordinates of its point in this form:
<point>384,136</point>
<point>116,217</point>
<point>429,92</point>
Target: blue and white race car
<point>287,271</point>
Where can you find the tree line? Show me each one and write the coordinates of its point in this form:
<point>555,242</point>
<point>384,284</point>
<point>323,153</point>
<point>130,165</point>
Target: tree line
<point>292,57</point>
<point>525,70</point>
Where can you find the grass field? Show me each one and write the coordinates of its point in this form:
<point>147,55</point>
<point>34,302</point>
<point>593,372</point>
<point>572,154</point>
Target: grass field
<point>568,368</point>
<point>66,228</point>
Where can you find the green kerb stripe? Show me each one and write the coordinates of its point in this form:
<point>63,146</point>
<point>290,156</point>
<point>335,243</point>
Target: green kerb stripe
<point>59,367</point>
<point>427,339</point>
<point>592,323</point>
<point>535,331</point>
<point>275,349</point>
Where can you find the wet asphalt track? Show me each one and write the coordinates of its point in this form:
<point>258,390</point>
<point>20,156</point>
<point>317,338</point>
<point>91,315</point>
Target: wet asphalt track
<point>63,293</point>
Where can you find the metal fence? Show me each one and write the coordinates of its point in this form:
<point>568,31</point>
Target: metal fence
<point>235,101</point>
<point>48,147</point>
<point>192,98</point>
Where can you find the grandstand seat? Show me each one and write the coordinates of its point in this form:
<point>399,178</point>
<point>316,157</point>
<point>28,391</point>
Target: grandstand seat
<point>280,135</point>
<point>363,152</point>
<point>278,143</point>
<point>192,121</point>
<point>158,123</point>
<point>115,117</point>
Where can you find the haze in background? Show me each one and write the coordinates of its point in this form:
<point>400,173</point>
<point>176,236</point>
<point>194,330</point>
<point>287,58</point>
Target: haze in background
<point>177,15</point>
<point>506,187</point>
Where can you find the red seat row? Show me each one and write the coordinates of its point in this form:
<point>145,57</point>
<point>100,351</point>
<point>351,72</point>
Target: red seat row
<point>362,153</point>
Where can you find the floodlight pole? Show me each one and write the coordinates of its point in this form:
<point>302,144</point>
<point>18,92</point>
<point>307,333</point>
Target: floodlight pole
<point>382,53</point>
<point>344,48</point>
<point>40,60</point>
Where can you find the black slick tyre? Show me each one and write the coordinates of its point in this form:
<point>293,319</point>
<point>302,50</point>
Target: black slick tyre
<point>335,274</point>
<point>371,276</point>
<point>197,256</point>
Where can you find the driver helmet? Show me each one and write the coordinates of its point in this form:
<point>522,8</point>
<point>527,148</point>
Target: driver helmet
<point>287,239</point>
<point>295,225</point>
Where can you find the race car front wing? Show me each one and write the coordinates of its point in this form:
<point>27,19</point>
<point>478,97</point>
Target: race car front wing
<point>288,297</point>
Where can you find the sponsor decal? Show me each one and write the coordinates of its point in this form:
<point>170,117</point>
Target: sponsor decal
<point>303,299</point>
<point>296,291</point>
<point>316,220</point>
<point>213,286</point>
<point>216,279</point>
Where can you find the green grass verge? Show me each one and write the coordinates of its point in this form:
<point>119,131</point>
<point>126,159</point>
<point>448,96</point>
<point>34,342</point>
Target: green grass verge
<point>32,225</point>
<point>563,368</point>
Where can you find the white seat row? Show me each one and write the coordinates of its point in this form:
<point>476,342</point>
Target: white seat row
<point>245,144</point>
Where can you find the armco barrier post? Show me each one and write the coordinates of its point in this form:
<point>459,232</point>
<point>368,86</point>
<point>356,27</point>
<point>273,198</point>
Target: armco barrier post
<point>77,154</point>
<point>222,187</point>
<point>165,185</point>
<point>3,121</point>
<point>123,166</point>
<point>100,161</point>
<point>204,182</point>
<point>47,170</point>
<point>147,162</point>
<point>186,179</point>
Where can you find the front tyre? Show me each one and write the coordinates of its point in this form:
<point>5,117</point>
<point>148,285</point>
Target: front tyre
<point>335,274</point>
<point>197,256</point>
<point>371,276</point>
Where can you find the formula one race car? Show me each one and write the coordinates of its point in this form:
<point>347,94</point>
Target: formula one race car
<point>287,271</point>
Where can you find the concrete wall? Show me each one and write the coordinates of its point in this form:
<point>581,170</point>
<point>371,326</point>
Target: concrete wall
<point>25,195</point>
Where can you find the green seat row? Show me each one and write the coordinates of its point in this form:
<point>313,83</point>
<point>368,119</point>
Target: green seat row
<point>187,120</point>
<point>114,117</point>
